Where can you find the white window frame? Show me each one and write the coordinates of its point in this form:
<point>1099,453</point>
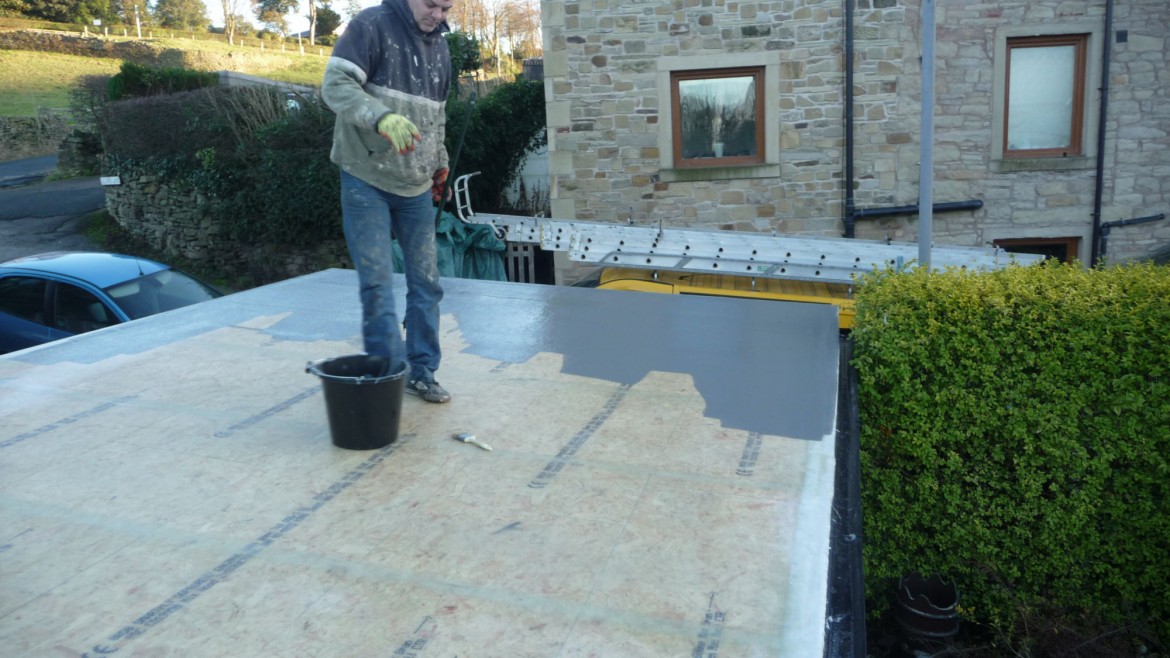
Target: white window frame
<point>770,168</point>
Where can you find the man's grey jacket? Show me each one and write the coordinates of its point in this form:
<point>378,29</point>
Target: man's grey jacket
<point>385,63</point>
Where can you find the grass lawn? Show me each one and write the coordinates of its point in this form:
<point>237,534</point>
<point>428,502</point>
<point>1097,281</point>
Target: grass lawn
<point>304,71</point>
<point>33,80</point>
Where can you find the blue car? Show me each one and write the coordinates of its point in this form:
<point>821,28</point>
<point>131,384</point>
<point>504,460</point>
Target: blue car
<point>55,295</point>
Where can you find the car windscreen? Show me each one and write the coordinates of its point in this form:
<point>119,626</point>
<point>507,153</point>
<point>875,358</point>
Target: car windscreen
<point>158,292</point>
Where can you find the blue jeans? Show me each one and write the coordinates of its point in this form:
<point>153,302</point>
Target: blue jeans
<point>368,216</point>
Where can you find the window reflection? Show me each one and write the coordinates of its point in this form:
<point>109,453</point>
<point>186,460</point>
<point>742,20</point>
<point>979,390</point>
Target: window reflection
<point>718,117</point>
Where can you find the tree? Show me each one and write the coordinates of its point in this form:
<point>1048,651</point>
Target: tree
<point>14,8</point>
<point>181,14</point>
<point>352,7</point>
<point>522,28</point>
<point>233,11</point>
<point>504,28</point>
<point>58,11</point>
<point>88,10</point>
<point>465,55</point>
<point>134,12</point>
<point>327,20</point>
<point>473,18</point>
<point>68,11</point>
<point>312,22</point>
<point>244,25</point>
<point>272,13</point>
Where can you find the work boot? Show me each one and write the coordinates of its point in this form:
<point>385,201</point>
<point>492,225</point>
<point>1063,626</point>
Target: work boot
<point>428,389</point>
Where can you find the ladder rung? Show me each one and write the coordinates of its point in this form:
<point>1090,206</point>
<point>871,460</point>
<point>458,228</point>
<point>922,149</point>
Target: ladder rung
<point>735,252</point>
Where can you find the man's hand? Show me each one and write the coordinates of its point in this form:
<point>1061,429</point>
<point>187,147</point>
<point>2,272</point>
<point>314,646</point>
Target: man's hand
<point>437,189</point>
<point>400,131</point>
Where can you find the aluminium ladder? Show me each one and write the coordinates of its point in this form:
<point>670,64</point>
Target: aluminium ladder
<point>707,251</point>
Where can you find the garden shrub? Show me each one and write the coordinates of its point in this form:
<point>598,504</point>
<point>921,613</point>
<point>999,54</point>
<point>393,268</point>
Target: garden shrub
<point>277,184</point>
<point>465,54</point>
<point>136,80</point>
<point>1016,438</point>
<point>505,124</point>
<point>261,158</point>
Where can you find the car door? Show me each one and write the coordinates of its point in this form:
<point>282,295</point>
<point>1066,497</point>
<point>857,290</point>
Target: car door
<point>76,310</point>
<point>24,313</point>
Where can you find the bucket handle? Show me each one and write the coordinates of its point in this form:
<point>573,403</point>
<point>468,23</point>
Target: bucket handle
<point>313,368</point>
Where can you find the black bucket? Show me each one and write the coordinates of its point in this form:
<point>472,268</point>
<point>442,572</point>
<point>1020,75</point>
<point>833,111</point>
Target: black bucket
<point>927,610</point>
<point>362,400</point>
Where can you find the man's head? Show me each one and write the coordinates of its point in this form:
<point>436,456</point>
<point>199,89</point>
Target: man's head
<point>429,13</point>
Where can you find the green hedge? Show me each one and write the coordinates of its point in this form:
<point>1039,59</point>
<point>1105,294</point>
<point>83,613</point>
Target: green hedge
<point>135,80</point>
<point>503,126</point>
<point>1015,437</point>
<point>263,161</point>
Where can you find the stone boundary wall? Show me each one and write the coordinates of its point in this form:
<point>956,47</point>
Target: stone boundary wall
<point>26,137</point>
<point>79,154</point>
<point>65,43</point>
<point>168,217</point>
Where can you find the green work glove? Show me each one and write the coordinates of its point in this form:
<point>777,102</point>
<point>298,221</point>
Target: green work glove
<point>400,131</point>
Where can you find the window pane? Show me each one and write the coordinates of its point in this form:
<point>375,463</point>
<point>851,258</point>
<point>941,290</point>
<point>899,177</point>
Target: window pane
<point>162,291</point>
<point>1040,97</point>
<point>78,311</point>
<point>718,117</point>
<point>23,297</point>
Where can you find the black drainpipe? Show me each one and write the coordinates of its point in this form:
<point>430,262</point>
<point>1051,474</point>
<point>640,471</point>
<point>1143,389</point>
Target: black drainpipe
<point>1107,226</point>
<point>1095,251</point>
<point>949,206</point>
<point>849,216</point>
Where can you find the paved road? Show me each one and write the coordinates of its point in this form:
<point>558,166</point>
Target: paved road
<point>38,215</point>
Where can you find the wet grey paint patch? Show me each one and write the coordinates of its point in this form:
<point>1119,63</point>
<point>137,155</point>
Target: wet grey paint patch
<point>767,367</point>
<point>761,366</point>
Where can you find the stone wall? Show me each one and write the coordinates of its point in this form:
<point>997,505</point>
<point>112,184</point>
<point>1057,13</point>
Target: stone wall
<point>605,110</point>
<point>26,137</point>
<point>79,154</point>
<point>172,219</point>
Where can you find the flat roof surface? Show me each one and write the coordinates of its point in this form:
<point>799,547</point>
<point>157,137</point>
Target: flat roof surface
<point>660,482</point>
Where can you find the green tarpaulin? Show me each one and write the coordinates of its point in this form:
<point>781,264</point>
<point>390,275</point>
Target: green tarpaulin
<point>465,251</point>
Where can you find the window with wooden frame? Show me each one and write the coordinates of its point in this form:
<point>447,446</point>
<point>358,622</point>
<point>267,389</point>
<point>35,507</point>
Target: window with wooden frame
<point>1045,96</point>
<point>718,117</point>
<point>1063,249</point>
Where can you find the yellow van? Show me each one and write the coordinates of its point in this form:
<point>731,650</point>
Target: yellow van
<point>725,285</point>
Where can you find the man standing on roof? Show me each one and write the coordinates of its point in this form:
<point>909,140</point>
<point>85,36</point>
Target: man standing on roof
<point>387,81</point>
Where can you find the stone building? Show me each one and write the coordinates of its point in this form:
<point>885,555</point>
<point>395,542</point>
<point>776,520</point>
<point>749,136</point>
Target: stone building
<point>730,114</point>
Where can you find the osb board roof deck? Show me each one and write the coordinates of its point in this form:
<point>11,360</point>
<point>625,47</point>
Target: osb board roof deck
<point>660,482</point>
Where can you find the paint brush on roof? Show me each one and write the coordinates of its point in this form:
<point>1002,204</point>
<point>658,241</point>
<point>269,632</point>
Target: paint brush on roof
<point>470,438</point>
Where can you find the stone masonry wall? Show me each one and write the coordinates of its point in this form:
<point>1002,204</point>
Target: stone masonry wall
<point>600,82</point>
<point>604,111</point>
<point>26,137</point>
<point>169,218</point>
<point>1035,203</point>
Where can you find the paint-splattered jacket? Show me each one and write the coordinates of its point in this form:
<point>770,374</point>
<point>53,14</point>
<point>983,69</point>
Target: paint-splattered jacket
<point>384,63</point>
